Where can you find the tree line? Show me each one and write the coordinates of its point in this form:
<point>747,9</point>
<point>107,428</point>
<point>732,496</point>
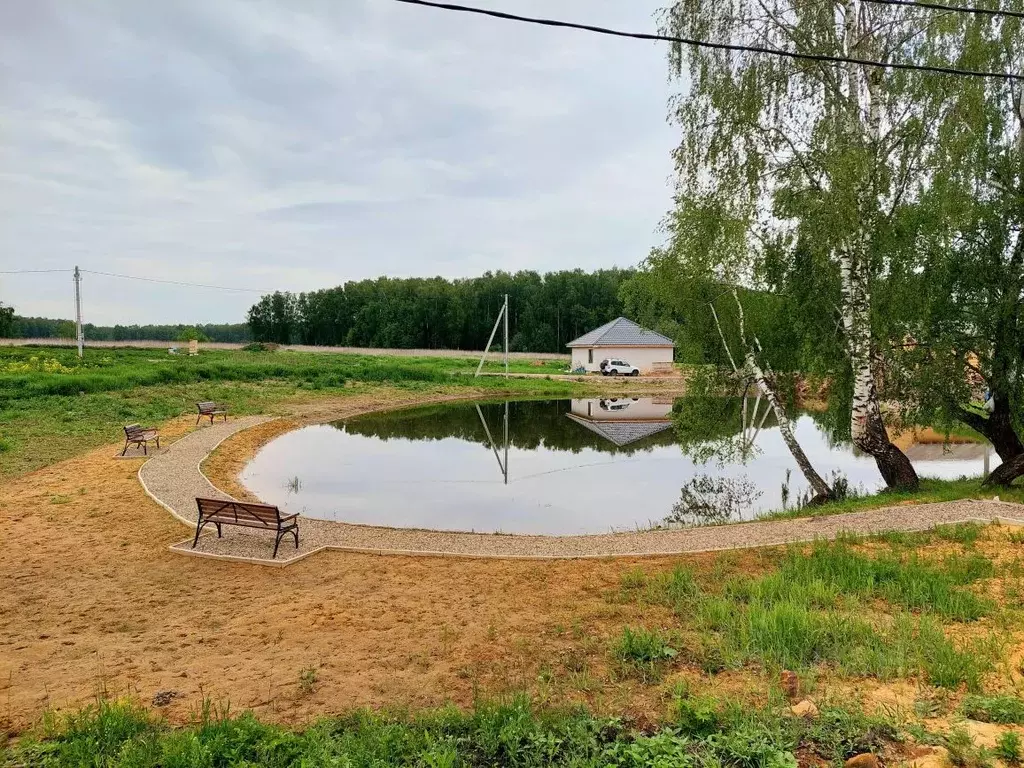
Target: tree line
<point>15,327</point>
<point>545,311</point>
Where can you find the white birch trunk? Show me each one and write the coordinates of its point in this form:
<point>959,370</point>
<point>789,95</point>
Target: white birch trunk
<point>751,369</point>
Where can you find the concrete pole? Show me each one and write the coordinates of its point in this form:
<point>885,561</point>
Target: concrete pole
<point>79,336</point>
<point>506,335</point>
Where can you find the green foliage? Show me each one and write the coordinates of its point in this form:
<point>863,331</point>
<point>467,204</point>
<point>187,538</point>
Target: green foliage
<point>48,328</point>
<point>7,324</point>
<point>643,651</point>
<point>1008,748</point>
<point>192,333</point>
<point>963,752</point>
<point>1006,710</point>
<point>547,311</point>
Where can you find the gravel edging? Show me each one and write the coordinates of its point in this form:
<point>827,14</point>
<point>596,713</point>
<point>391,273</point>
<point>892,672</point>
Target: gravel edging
<point>175,478</point>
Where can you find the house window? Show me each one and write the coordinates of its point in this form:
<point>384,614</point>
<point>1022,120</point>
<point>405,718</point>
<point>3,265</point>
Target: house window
<point>590,356</point>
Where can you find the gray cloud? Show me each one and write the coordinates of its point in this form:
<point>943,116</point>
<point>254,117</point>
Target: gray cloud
<point>298,145</point>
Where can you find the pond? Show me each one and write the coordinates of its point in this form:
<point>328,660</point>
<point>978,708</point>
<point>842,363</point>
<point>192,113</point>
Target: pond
<point>560,466</point>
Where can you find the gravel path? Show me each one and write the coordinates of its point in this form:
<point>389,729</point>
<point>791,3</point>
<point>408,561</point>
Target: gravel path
<point>174,480</point>
<point>173,477</point>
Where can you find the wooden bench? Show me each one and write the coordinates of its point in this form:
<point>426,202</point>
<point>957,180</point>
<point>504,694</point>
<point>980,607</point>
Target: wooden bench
<point>263,516</point>
<point>212,410</point>
<point>136,434</point>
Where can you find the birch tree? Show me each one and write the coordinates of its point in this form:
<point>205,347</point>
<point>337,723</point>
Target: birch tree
<point>765,382</point>
<point>959,287</point>
<point>822,154</point>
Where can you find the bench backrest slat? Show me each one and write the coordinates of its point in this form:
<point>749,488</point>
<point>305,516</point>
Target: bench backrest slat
<point>133,429</point>
<point>265,514</point>
<point>207,406</point>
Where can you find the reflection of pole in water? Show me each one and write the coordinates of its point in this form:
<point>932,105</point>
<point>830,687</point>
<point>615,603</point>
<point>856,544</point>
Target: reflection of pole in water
<point>502,465</point>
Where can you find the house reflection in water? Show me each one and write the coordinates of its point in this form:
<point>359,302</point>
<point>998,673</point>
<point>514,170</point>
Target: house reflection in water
<point>623,420</point>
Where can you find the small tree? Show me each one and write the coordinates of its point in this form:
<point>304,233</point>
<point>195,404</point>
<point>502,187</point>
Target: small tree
<point>192,333</point>
<point>7,323</point>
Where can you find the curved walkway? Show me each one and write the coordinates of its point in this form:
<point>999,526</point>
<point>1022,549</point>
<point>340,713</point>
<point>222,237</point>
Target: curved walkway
<point>174,479</point>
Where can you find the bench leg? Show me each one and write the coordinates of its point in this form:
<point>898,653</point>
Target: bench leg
<point>199,527</point>
<point>295,532</point>
<point>218,530</point>
<point>277,543</point>
<point>125,448</point>
<point>158,443</point>
<point>198,418</point>
<point>145,448</point>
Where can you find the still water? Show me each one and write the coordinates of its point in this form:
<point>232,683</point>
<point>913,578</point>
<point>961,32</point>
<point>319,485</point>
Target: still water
<point>556,466</point>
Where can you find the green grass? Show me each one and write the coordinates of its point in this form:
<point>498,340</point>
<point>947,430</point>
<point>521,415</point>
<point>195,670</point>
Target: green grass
<point>1008,748</point>
<point>830,604</point>
<point>643,651</point>
<point>930,490</point>
<point>52,406</point>
<point>510,733</point>
<point>1005,710</point>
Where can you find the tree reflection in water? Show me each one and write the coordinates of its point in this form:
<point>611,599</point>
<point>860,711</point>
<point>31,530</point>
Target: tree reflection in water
<point>713,499</point>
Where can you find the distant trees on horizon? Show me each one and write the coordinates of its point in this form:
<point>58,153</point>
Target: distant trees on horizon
<point>545,311</point>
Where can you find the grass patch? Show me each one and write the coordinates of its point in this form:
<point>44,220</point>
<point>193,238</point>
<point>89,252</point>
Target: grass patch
<point>1005,710</point>
<point>831,604</point>
<point>1008,748</point>
<point>512,733</point>
<point>643,652</point>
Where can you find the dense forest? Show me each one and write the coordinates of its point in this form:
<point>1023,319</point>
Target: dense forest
<point>545,311</point>
<point>48,328</point>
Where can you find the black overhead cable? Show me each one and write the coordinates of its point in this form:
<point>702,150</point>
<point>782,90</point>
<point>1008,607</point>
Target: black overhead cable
<point>717,46</point>
<point>953,8</point>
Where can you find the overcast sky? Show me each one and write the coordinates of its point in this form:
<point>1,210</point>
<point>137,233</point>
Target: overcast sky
<point>296,145</point>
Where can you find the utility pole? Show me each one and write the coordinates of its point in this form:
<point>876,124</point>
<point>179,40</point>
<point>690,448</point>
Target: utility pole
<point>506,336</point>
<point>79,336</point>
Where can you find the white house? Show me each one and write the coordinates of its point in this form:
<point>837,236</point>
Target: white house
<point>622,339</point>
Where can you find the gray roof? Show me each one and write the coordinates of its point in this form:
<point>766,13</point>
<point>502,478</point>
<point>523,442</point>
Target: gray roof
<point>622,432</point>
<point>621,332</point>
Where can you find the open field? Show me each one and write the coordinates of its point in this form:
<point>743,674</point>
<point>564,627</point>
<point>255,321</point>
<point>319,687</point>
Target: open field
<point>897,639</point>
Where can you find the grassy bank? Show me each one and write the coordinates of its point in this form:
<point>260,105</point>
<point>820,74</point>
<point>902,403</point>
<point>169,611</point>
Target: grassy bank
<point>53,406</point>
<point>493,734</point>
<point>930,490</point>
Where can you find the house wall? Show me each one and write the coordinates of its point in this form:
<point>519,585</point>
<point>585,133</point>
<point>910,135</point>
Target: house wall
<point>643,358</point>
<point>637,409</point>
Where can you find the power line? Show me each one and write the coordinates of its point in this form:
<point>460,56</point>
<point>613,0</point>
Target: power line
<point>717,46</point>
<point>30,271</point>
<point>174,282</point>
<point>954,8</point>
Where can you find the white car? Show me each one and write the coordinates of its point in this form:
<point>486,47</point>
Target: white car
<point>615,367</point>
